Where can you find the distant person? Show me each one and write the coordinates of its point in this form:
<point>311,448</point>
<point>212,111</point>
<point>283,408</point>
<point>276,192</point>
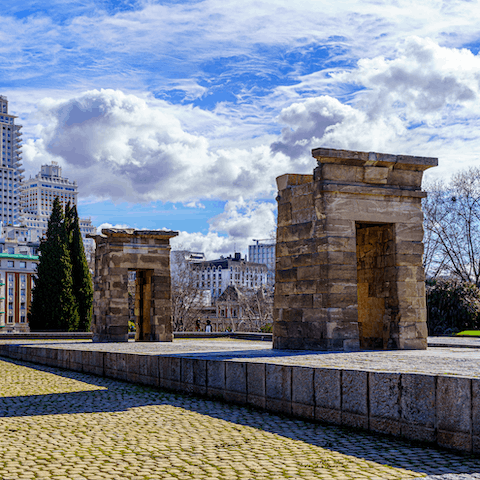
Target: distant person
<point>208,328</point>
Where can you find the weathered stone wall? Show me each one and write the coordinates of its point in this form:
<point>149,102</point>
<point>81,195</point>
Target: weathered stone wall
<point>324,276</point>
<point>117,253</point>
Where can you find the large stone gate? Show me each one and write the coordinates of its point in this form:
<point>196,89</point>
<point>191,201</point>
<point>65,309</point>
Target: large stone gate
<point>349,250</point>
<point>119,252</point>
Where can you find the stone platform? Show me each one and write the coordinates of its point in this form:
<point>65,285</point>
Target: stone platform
<point>431,395</point>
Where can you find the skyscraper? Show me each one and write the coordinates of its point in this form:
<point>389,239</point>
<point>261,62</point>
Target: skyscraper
<point>37,196</point>
<point>10,170</point>
<point>25,207</point>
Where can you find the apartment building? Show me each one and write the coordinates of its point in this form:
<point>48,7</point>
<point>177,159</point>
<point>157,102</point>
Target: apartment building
<point>38,194</point>
<point>16,283</point>
<point>217,275</point>
<point>11,166</point>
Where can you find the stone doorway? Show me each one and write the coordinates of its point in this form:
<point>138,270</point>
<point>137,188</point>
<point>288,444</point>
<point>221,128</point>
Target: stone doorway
<point>118,254</point>
<point>358,217</point>
<point>376,284</point>
<point>143,305</point>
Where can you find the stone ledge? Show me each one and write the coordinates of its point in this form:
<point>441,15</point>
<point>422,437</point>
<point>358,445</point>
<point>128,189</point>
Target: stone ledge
<point>434,408</point>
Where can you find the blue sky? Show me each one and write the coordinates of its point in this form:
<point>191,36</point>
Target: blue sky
<point>182,114</point>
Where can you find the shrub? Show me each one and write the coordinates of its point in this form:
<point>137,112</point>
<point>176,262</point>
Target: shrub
<point>452,307</point>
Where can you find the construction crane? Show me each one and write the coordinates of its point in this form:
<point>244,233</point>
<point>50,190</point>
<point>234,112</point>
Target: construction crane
<point>260,239</point>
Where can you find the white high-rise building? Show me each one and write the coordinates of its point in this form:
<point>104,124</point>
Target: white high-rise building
<point>38,194</point>
<point>10,170</point>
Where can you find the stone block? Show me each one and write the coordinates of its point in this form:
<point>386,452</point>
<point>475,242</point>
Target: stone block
<point>51,357</point>
<point>454,440</point>
<point>63,358</point>
<point>215,378</point>
<point>418,404</point>
<point>354,398</point>
<point>236,382</point>
<point>476,406</point>
<point>256,384</point>
<point>453,404</point>
<point>148,370</point>
<point>132,363</point>
<point>194,376</point>
<point>278,388</point>
<point>303,393</point>
<point>76,360</point>
<point>476,444</point>
<point>384,399</point>
<point>169,372</point>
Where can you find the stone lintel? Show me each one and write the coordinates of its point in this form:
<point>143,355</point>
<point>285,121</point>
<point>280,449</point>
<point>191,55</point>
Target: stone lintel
<point>364,189</point>
<point>132,233</point>
<point>348,157</point>
<point>291,179</point>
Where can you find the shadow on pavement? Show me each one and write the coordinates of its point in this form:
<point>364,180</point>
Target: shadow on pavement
<point>117,396</point>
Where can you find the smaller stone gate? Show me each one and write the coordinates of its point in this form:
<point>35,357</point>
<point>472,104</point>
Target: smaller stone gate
<point>119,252</point>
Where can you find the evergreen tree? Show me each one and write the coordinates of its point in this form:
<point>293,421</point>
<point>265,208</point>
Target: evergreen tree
<point>82,281</point>
<point>54,306</point>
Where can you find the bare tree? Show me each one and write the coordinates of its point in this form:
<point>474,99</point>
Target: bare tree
<point>256,307</point>
<point>187,298</point>
<point>452,227</point>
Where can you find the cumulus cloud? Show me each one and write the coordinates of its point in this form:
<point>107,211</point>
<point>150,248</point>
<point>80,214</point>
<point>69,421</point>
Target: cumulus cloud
<point>232,230</point>
<point>422,100</point>
<point>421,81</point>
<point>118,146</point>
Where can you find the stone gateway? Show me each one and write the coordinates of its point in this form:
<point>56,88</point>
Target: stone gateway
<point>349,271</point>
<point>119,252</point>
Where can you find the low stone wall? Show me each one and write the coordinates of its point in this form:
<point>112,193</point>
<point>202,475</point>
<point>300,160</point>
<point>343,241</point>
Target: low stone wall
<point>438,409</point>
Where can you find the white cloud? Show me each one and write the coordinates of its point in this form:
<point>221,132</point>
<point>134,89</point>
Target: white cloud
<point>118,146</point>
<point>420,82</point>
<point>232,230</point>
<point>109,225</point>
<point>421,100</point>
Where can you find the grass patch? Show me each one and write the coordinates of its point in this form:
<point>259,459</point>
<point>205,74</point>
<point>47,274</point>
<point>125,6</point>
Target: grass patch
<point>468,333</point>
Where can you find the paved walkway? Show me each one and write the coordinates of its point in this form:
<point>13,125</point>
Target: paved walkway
<point>67,425</point>
<point>453,360</point>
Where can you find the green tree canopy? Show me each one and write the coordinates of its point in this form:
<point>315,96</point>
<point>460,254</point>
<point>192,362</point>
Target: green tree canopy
<point>82,281</point>
<point>54,306</point>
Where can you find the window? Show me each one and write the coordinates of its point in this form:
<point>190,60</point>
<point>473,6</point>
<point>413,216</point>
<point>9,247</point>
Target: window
<point>22,319</point>
<point>23,264</point>
<point>11,264</point>
<point>10,319</point>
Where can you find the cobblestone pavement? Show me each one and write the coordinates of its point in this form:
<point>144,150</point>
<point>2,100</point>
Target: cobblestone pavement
<point>436,361</point>
<point>67,425</point>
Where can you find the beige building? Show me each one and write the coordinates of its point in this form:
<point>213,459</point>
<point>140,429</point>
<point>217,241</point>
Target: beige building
<point>217,275</point>
<point>38,194</point>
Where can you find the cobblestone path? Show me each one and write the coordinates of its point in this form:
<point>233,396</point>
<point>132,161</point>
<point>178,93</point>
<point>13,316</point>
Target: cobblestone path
<point>68,425</point>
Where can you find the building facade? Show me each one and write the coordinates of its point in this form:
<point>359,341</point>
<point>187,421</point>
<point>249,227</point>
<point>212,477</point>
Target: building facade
<point>16,283</point>
<point>37,196</point>
<point>11,167</point>
<point>262,253</point>
<point>217,275</point>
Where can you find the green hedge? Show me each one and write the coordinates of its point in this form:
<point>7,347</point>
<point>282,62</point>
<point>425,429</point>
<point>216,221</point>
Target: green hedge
<point>452,307</point>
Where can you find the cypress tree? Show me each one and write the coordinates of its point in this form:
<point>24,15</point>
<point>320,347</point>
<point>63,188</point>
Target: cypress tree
<point>82,280</point>
<point>54,306</point>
